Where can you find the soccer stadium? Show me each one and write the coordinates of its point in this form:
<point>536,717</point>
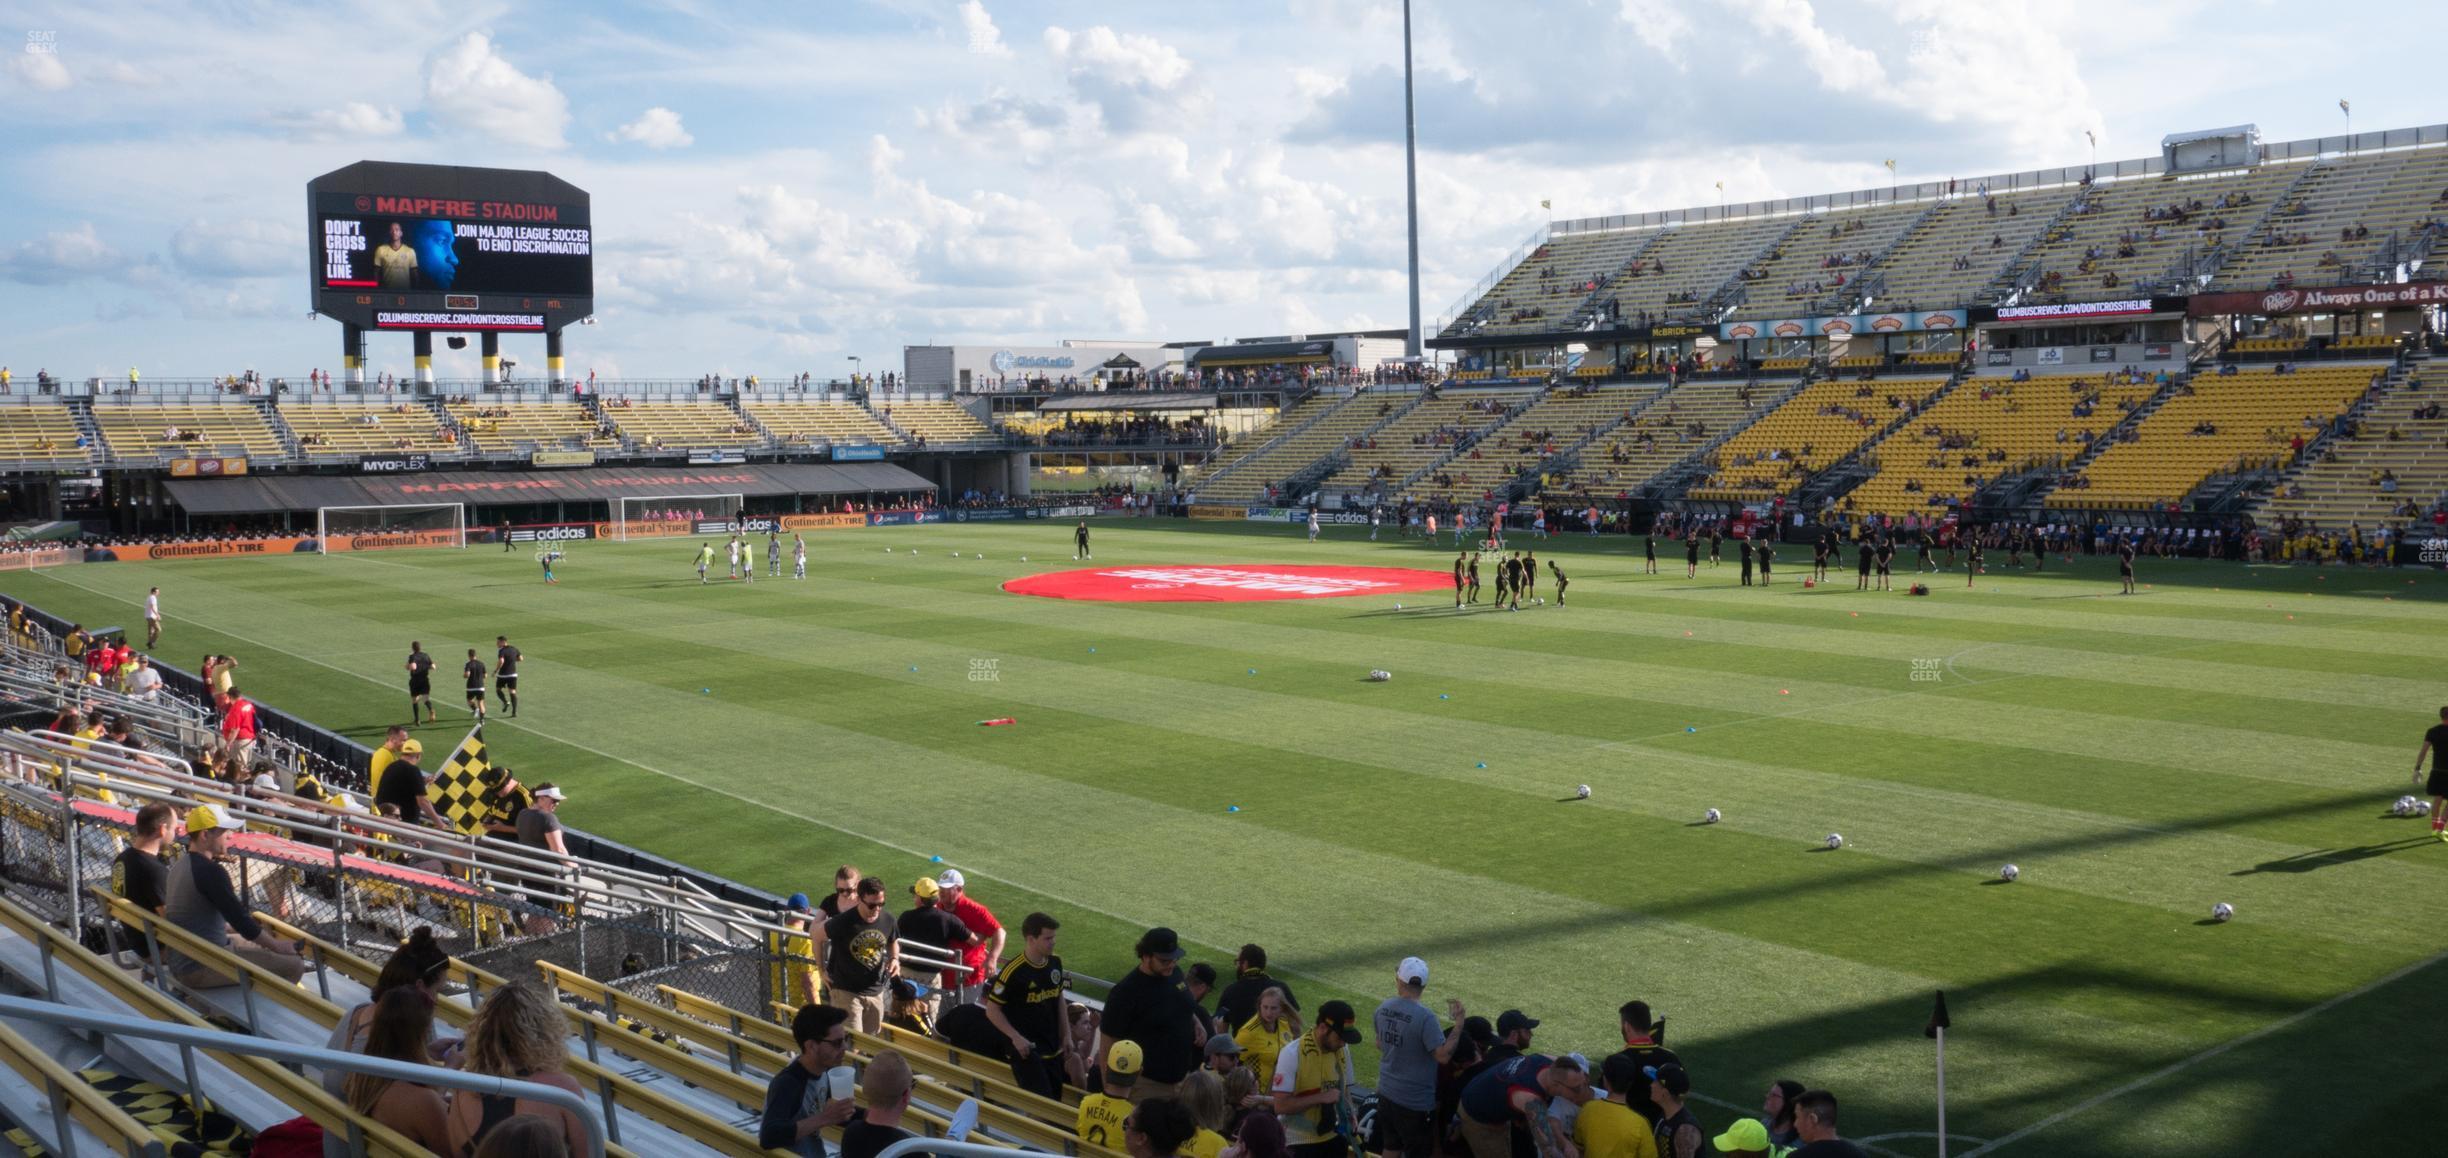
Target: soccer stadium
<point>1915,668</point>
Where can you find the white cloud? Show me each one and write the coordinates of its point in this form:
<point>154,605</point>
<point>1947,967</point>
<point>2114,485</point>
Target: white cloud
<point>471,87</point>
<point>60,256</point>
<point>1136,82</point>
<point>984,38</point>
<point>244,247</point>
<point>656,128</point>
<point>354,121</point>
<point>40,71</point>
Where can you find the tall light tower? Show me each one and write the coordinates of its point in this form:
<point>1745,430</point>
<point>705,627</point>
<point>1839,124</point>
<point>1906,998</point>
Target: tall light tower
<point>1411,344</point>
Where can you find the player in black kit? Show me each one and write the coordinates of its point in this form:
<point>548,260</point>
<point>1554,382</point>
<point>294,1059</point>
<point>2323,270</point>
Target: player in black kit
<point>1886,563</point>
<point>1819,556</point>
<point>1691,554</point>
<point>1715,537</point>
<point>1460,560</point>
<point>2125,558</point>
<point>1561,581</point>
<point>1765,557</point>
<point>1861,563</point>
<point>1742,547</point>
<point>1972,555</point>
<point>505,673</point>
<point>1079,541</point>
<point>1474,579</point>
<point>1649,548</point>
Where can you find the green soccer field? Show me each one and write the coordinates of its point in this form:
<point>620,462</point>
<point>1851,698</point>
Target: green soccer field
<point>2231,734</point>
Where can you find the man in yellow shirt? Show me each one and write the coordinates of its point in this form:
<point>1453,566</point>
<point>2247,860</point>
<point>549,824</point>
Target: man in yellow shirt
<point>1311,1076</point>
<point>1611,1128</point>
<point>1101,1115</point>
<point>395,263</point>
<point>383,756</point>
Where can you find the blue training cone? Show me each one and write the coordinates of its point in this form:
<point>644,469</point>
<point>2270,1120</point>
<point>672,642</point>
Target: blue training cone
<point>1686,729</point>
<point>1232,808</point>
<point>935,860</point>
<point>1483,764</point>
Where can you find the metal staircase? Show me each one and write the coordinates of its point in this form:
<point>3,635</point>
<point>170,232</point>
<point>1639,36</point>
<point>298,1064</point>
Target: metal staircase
<point>1676,479</point>
<point>1252,453</point>
<point>1477,438</point>
<point>2022,271</point>
<point>1587,312</point>
<point>280,426</point>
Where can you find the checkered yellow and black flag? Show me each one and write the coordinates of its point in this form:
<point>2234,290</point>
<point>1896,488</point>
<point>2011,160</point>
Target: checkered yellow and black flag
<point>463,782</point>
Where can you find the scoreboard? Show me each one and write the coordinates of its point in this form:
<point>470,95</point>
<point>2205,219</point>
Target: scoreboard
<point>449,248</point>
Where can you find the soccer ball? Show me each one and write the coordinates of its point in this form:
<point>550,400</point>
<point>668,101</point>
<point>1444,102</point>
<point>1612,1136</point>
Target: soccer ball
<point>1380,676</point>
<point>1584,792</point>
<point>2009,873</point>
<point>1712,816</point>
<point>1835,840</point>
<point>2403,807</point>
<point>2222,911</point>
<point>2422,808</point>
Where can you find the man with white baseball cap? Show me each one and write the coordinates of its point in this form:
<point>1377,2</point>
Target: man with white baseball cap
<point>1410,1049</point>
<point>982,957</point>
<point>203,901</point>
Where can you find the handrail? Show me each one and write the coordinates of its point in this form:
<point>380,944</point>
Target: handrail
<point>944,1146</point>
<point>188,1039</point>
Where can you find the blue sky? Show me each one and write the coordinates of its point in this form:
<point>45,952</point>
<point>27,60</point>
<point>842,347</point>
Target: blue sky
<point>780,186</point>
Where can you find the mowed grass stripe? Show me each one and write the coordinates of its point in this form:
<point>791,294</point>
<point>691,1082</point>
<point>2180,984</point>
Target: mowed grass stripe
<point>1224,711</point>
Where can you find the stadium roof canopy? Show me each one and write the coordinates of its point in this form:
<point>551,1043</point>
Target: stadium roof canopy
<point>260,493</point>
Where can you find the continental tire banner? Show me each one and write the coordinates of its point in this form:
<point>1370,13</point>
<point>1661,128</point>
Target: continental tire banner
<point>821,522</point>
<point>39,557</point>
<point>214,549</point>
<point>1212,511</point>
<point>392,541</point>
<point>646,529</point>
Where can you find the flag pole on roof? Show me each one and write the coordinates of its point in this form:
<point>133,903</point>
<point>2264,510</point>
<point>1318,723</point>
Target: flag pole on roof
<point>1936,1029</point>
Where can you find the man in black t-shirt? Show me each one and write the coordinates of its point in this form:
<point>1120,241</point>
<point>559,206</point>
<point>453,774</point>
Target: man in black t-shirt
<point>140,874</point>
<point>1024,1001</point>
<point>929,925</point>
<point>1238,1002</point>
<point>2125,558</point>
<point>1864,553</point>
<point>865,956</point>
<point>1815,1121</point>
<point>505,673</point>
<point>885,1087</point>
<point>420,682</point>
<point>1150,1008</point>
<point>474,672</point>
<point>403,786</point>
<point>2435,745</point>
<point>1691,554</point>
<point>1641,1048</point>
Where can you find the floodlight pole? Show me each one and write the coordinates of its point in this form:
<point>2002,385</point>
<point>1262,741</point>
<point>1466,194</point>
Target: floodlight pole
<point>1411,342</point>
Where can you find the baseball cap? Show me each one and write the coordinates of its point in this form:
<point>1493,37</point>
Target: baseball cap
<point>1744,1134</point>
<point>1412,971</point>
<point>205,818</point>
<point>552,792</point>
<point>1477,1029</point>
<point>1161,942</point>
<point>1672,1077</point>
<point>1339,1016</point>
<point>1513,1019</point>
<point>1223,1043</point>
<point>798,903</point>
<point>926,888</point>
<point>411,747</point>
<point>951,879</point>
<point>1122,1063</point>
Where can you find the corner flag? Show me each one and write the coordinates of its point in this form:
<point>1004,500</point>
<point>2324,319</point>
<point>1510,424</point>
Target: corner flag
<point>1938,1018</point>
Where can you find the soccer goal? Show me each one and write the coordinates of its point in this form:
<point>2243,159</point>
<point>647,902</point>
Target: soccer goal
<point>388,528</point>
<point>662,515</point>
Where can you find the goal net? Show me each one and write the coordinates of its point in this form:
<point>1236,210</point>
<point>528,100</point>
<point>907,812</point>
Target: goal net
<point>662,515</point>
<point>389,528</point>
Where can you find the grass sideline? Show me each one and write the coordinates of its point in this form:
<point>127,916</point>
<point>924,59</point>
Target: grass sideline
<point>2232,733</point>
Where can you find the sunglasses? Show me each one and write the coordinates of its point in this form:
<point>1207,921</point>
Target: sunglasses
<point>836,1042</point>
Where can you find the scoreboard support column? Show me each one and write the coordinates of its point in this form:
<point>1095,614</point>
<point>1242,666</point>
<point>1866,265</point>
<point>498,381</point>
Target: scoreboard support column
<point>552,360</point>
<point>424,360</point>
<point>353,356</point>
<point>490,343</point>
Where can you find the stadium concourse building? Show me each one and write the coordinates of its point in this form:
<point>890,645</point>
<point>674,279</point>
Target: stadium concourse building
<point>1073,365</point>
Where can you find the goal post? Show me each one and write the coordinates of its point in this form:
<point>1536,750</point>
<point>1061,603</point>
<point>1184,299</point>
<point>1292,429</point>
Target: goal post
<point>385,528</point>
<point>656,516</point>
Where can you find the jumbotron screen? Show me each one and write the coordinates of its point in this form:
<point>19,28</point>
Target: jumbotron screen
<point>439,247</point>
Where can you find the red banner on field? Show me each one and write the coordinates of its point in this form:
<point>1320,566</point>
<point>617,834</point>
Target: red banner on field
<point>1226,584</point>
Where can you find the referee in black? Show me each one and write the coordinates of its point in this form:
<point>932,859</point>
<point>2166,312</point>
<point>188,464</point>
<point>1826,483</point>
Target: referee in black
<point>420,682</point>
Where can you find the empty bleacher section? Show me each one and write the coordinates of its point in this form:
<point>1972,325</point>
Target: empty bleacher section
<point>2215,423</point>
<point>1689,264</point>
<point>1550,285</point>
<point>2124,238</point>
<point>1563,417</point>
<point>1428,432</point>
<point>652,425</point>
<point>2397,455</point>
<point>1987,427</point>
<point>1314,429</point>
<point>496,426</point>
<point>1826,256</point>
<point>935,422</point>
<point>141,429</point>
<point>814,423</point>
<point>41,434</point>
<point>341,428</point>
<point>2345,212</point>
<point>1673,427</point>
<point>1825,422</point>
<point>1966,245</point>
